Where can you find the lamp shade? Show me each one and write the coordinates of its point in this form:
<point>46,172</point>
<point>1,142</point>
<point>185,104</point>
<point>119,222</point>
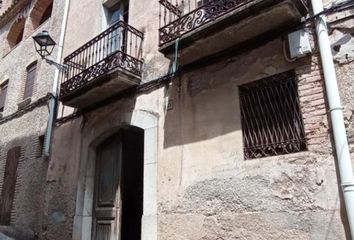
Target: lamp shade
<point>44,44</point>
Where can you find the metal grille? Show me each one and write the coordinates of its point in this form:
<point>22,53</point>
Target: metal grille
<point>120,46</point>
<point>271,120</point>
<point>179,17</point>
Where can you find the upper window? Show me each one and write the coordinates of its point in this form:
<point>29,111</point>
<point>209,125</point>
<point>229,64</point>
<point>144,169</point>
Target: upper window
<point>42,11</point>
<point>114,14</point>
<point>271,118</point>
<point>15,34</point>
<point>116,11</point>
<point>3,92</point>
<point>30,79</point>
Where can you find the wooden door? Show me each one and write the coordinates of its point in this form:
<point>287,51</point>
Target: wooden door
<point>107,204</point>
<point>118,206</point>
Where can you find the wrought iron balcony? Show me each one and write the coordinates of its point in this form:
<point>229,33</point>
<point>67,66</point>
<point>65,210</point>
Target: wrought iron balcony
<point>103,66</point>
<point>221,22</point>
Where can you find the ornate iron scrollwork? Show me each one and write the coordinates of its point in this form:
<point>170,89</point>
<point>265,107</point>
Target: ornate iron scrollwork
<point>117,47</point>
<point>198,17</point>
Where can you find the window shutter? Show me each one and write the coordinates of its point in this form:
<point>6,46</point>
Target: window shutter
<point>30,78</point>
<point>9,184</point>
<point>3,92</point>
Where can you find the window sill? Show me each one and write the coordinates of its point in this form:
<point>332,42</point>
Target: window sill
<point>24,103</point>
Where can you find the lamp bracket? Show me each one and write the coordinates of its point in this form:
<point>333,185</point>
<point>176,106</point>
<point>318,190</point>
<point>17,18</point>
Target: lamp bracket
<point>59,66</point>
<point>64,67</point>
<point>75,65</point>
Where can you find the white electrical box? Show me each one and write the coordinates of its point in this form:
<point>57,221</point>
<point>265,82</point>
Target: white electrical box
<point>299,43</point>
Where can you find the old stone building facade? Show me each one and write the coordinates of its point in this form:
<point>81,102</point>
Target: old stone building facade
<point>177,120</point>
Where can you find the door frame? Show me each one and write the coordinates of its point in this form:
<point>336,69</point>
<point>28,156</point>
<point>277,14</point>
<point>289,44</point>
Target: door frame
<point>145,120</point>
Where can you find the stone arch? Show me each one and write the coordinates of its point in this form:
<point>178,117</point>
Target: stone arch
<point>41,11</point>
<point>144,120</point>
<point>16,31</point>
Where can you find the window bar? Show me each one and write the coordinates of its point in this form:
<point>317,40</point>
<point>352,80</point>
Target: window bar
<point>130,50</point>
<point>81,60</point>
<point>73,69</point>
<point>96,53</point>
<point>86,54</point>
<point>105,46</point>
<point>121,39</point>
<point>101,49</point>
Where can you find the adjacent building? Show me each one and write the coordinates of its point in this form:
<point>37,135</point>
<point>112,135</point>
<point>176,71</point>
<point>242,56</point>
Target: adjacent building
<point>176,120</point>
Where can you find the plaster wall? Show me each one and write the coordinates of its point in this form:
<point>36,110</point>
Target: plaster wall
<point>205,188</point>
<point>84,23</point>
<point>204,180</point>
<point>202,177</point>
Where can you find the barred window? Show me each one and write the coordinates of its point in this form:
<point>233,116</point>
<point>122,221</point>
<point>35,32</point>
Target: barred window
<point>271,119</point>
<point>3,93</point>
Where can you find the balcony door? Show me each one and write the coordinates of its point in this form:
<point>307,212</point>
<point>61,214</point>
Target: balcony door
<point>118,203</point>
<point>117,11</point>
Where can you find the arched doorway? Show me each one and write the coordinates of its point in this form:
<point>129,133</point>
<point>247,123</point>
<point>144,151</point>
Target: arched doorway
<point>118,194</point>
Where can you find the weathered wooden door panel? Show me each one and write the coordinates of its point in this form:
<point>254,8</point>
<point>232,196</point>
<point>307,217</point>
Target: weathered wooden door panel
<point>104,229</point>
<point>118,204</point>
<point>107,192</point>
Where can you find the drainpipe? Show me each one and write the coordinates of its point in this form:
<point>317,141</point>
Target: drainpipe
<point>55,91</point>
<point>335,109</point>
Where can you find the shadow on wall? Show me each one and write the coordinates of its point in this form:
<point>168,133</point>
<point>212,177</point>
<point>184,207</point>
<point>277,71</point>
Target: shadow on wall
<point>26,191</point>
<point>14,233</point>
<point>205,103</point>
<point>193,118</point>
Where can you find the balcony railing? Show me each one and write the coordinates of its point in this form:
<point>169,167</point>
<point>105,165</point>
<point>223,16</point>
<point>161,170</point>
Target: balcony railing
<point>179,17</point>
<point>118,47</point>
